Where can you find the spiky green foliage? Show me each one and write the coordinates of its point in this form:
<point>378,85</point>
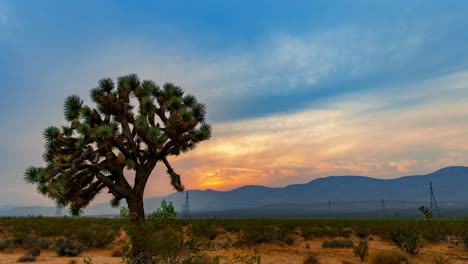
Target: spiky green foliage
<point>99,143</point>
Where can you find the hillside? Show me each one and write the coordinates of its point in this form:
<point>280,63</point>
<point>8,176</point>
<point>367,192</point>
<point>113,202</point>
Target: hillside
<point>450,184</point>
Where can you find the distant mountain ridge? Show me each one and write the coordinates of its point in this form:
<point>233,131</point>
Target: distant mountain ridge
<point>450,184</point>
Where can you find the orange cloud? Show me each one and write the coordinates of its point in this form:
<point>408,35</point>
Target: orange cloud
<point>347,139</point>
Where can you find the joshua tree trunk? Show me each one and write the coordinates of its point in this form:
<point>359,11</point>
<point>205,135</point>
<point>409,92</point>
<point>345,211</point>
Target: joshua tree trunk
<point>137,215</point>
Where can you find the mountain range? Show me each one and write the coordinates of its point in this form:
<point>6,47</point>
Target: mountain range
<point>450,188</point>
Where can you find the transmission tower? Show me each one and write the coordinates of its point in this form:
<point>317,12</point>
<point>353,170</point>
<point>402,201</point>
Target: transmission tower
<point>58,211</point>
<point>186,209</point>
<point>329,208</point>
<point>433,202</point>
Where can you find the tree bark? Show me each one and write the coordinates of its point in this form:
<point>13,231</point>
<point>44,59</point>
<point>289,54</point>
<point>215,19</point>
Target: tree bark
<point>140,252</point>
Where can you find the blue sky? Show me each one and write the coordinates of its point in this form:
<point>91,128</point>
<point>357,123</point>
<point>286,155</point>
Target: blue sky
<point>323,86</point>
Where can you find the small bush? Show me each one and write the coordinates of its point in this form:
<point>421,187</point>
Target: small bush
<point>347,232</point>
<point>440,259</point>
<point>312,259</point>
<point>206,259</point>
<point>289,239</point>
<point>205,229</point>
<point>463,233</point>
<point>118,251</point>
<point>389,257</point>
<point>9,244</point>
<point>257,235</point>
<point>346,262</point>
<point>69,248</point>
<point>433,231</point>
<point>338,244</point>
<point>317,232</point>
<point>362,233</point>
<point>284,234</point>
<point>240,259</point>
<point>168,243</point>
<point>35,252</point>
<point>408,240</point>
<point>361,250</point>
<point>96,237</point>
<point>28,257</point>
<point>43,244</point>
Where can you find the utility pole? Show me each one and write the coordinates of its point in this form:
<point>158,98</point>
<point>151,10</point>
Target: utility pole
<point>329,208</point>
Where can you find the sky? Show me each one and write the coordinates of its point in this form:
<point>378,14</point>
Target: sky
<point>295,90</point>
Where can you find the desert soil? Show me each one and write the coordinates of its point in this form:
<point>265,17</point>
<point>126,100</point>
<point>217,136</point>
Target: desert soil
<point>270,253</point>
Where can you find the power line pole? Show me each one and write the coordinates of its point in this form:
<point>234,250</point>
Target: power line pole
<point>329,208</point>
<point>432,201</point>
<point>186,210</point>
<point>58,211</point>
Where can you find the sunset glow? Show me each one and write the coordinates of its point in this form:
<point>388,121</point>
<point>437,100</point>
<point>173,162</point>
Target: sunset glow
<point>290,95</point>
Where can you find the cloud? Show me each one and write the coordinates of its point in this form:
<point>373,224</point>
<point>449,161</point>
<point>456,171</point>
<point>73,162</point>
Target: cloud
<point>288,107</point>
<point>351,139</point>
<point>240,82</point>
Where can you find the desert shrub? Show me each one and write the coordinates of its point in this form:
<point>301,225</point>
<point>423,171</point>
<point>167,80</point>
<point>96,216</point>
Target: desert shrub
<point>118,251</point>
<point>408,241</point>
<point>317,232</point>
<point>71,248</point>
<point>340,243</point>
<point>243,259</point>
<point>440,259</point>
<point>361,250</point>
<point>362,232</point>
<point>257,235</point>
<point>463,233</point>
<point>28,257</point>
<point>167,244</point>
<point>433,231</point>
<point>289,239</point>
<point>311,259</point>
<point>205,229</point>
<point>9,244</point>
<point>3,245</point>
<point>284,234</point>
<point>72,261</point>
<point>346,262</point>
<point>252,235</point>
<point>96,237</point>
<point>35,252</point>
<point>206,259</point>
<point>43,243</point>
<point>174,248</point>
<point>389,257</point>
<point>347,232</point>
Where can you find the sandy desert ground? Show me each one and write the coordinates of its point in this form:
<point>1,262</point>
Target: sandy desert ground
<point>270,253</point>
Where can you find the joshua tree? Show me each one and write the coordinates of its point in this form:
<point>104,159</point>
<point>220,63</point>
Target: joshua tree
<point>427,213</point>
<point>133,127</point>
